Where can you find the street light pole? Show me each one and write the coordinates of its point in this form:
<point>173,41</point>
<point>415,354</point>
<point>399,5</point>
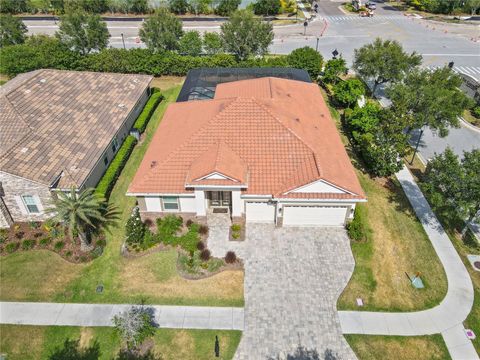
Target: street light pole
<point>305,24</point>
<point>316,47</point>
<point>123,41</point>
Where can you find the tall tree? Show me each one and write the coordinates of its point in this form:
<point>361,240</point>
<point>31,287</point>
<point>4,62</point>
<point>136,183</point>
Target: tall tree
<point>84,214</point>
<point>430,98</point>
<point>266,7</point>
<point>383,62</point>
<point>134,325</point>
<point>245,35</point>
<point>138,6</point>
<point>333,69</point>
<point>307,59</point>
<point>212,43</point>
<point>14,6</point>
<point>453,185</point>
<point>190,44</point>
<point>161,31</point>
<point>83,32</point>
<point>347,92</point>
<point>12,30</point>
<point>226,7</point>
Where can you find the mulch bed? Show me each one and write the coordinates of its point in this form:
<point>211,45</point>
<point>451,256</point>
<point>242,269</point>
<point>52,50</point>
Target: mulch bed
<point>23,236</point>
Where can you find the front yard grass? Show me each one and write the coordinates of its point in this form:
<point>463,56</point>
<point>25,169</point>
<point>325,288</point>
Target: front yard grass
<point>369,347</point>
<point>36,342</point>
<point>151,278</point>
<point>398,245</point>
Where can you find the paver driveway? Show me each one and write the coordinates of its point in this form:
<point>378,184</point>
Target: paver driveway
<point>293,277</point>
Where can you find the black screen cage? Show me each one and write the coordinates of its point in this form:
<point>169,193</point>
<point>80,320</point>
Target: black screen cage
<point>201,83</point>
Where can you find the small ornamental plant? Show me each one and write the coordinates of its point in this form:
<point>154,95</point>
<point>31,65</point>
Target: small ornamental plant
<point>230,257</point>
<point>134,228</point>
<point>134,325</point>
<point>205,255</point>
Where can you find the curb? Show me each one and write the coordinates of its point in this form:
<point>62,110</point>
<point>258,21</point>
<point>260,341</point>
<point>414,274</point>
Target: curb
<point>466,124</point>
<point>127,18</point>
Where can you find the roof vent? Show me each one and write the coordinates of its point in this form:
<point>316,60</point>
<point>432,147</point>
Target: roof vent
<point>43,81</point>
<point>297,119</point>
<point>153,164</point>
<point>74,168</point>
<point>24,150</point>
<point>135,81</point>
<point>28,91</point>
<point>121,106</point>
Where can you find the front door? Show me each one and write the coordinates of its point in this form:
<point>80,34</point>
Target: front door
<point>220,198</point>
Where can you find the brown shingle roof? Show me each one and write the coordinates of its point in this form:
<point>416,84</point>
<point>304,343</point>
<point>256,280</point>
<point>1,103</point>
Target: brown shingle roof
<point>56,122</point>
<point>280,129</point>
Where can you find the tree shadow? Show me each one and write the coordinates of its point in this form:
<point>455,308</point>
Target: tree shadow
<point>303,353</point>
<point>72,350</point>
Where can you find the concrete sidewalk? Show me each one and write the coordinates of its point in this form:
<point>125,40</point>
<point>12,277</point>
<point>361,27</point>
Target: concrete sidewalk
<point>447,317</point>
<point>175,317</point>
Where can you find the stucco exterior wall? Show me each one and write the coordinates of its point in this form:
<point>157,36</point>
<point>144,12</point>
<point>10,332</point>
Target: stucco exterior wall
<point>100,167</point>
<point>14,187</point>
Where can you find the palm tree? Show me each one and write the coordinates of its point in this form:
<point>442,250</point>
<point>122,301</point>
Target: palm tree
<point>84,213</point>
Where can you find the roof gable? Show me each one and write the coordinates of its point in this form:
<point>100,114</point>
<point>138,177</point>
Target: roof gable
<point>318,187</point>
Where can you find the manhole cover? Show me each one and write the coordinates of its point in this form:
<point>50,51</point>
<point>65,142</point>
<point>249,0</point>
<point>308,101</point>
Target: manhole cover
<point>476,265</point>
<point>220,211</point>
<point>99,289</point>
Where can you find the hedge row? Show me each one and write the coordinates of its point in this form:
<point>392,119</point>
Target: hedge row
<point>108,179</point>
<point>48,53</point>
<point>150,106</point>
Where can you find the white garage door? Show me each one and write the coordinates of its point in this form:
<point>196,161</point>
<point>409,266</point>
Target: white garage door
<point>314,215</point>
<point>260,212</point>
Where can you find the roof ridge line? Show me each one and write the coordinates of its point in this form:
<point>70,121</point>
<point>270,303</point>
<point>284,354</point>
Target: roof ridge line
<point>286,127</point>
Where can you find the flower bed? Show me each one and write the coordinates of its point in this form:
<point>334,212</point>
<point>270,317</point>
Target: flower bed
<point>237,230</point>
<point>35,235</point>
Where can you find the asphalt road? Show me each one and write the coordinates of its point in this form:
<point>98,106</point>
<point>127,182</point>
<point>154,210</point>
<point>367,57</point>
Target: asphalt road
<point>438,43</point>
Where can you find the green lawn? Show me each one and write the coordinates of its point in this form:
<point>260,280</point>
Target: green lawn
<point>36,342</point>
<point>43,276</point>
<point>370,347</point>
<point>398,244</point>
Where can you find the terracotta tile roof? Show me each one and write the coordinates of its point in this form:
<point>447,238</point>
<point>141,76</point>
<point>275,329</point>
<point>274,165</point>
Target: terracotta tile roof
<point>56,122</point>
<point>220,159</point>
<point>280,129</point>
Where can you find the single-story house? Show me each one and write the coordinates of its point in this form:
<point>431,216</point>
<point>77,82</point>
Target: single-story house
<point>266,149</point>
<point>58,130</point>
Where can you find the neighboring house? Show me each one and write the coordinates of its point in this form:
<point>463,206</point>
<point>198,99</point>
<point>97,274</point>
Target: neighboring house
<point>265,148</point>
<point>58,130</point>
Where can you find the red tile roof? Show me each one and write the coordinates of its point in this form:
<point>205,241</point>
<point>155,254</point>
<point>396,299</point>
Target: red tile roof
<point>278,129</point>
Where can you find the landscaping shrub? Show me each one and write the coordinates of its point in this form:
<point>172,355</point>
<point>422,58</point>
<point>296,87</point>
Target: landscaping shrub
<point>3,235</point>
<point>11,247</point>
<point>45,242</point>
<point>149,239</point>
<point>168,227</point>
<point>476,112</point>
<point>59,245</point>
<point>230,257</point>
<point>201,245</point>
<point>203,229</point>
<point>205,255</point>
<point>37,235</point>
<point>101,242</point>
<point>190,240</point>
<point>28,244</point>
<point>98,251</point>
<point>34,224</point>
<point>43,52</point>
<point>307,59</point>
<point>148,223</point>
<point>358,229</point>
<point>235,235</point>
<point>108,180</point>
<point>142,120</point>
<point>236,227</point>
<point>134,228</point>
<point>347,92</point>
<point>19,234</point>
<point>189,223</point>
<point>68,253</point>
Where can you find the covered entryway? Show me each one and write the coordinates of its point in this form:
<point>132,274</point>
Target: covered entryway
<point>314,215</point>
<point>219,199</point>
<point>262,212</point>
